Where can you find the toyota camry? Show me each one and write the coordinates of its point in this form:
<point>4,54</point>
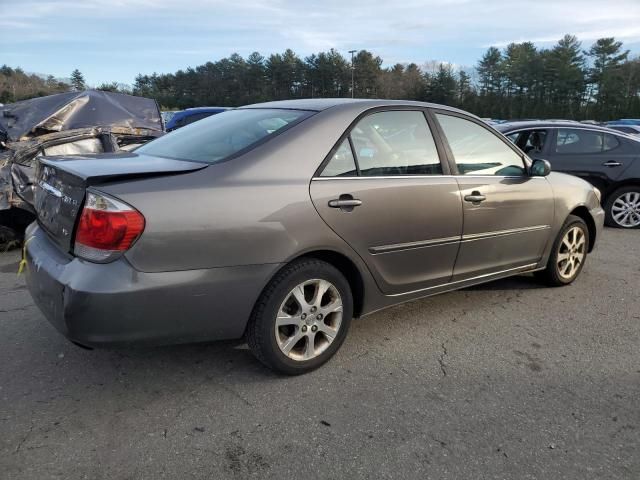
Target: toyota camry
<point>280,222</point>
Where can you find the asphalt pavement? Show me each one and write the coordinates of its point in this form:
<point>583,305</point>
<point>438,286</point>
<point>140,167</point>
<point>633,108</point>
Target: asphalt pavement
<point>508,380</point>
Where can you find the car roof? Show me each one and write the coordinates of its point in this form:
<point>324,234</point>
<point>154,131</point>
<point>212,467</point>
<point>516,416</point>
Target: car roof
<point>512,126</point>
<point>507,128</point>
<point>320,104</point>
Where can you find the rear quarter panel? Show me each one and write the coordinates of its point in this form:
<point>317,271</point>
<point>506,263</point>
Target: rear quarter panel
<point>255,209</point>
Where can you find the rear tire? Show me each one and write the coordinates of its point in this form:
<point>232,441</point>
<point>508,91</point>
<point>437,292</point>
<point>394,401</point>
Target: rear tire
<point>301,318</point>
<point>622,208</point>
<point>568,255</point>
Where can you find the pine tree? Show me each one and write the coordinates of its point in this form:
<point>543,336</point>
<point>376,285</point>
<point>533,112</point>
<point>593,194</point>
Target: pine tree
<point>606,74</point>
<point>566,70</point>
<point>77,81</point>
<point>490,71</point>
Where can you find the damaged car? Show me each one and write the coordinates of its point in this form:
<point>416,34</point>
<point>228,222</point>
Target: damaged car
<point>69,123</point>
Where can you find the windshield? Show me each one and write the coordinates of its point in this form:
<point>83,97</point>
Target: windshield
<point>218,137</point>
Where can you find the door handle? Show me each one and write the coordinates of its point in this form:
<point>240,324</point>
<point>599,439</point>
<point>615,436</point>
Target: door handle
<point>475,197</point>
<point>611,163</point>
<point>346,203</point>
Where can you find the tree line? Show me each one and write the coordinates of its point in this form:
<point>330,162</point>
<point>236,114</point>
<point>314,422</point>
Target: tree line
<point>567,80</point>
<point>17,85</point>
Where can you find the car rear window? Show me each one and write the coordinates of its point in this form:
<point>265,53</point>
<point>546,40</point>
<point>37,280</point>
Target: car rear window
<point>221,136</point>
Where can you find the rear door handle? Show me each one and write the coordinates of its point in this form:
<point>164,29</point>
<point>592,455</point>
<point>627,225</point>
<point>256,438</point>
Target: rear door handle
<point>611,163</point>
<point>346,203</point>
<point>475,197</point>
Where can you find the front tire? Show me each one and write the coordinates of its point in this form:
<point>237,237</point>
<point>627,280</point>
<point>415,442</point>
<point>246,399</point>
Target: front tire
<point>301,318</point>
<point>622,208</point>
<point>569,253</point>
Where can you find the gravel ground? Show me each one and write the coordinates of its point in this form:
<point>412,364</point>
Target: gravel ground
<point>504,380</point>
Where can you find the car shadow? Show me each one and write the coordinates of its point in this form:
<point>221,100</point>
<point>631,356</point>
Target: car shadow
<point>212,360</point>
<point>519,282</point>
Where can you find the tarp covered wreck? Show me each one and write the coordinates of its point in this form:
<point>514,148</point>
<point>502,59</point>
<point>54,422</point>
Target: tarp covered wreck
<point>64,124</point>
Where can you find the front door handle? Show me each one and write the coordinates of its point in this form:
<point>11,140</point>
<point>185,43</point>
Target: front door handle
<point>611,163</point>
<point>475,197</point>
<point>346,203</point>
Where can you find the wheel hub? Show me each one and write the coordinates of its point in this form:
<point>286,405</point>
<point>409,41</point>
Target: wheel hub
<point>571,252</point>
<point>309,319</point>
<point>625,210</point>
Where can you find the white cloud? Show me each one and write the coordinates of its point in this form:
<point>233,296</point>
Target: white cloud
<point>340,24</point>
<point>201,30</point>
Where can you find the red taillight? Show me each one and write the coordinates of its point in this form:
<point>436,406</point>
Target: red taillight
<point>107,227</point>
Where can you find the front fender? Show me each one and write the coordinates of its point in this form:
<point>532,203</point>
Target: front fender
<point>572,195</point>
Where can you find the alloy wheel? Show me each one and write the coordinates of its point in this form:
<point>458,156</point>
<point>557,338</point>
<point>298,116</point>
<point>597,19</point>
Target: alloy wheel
<point>625,210</point>
<point>571,252</point>
<point>309,319</point>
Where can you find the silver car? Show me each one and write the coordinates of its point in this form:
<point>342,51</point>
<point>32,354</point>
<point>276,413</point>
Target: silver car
<point>282,221</point>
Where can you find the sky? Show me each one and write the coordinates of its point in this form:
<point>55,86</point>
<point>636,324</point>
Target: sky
<point>114,40</point>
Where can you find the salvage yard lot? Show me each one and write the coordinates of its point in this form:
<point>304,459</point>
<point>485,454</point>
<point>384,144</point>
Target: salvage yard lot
<point>504,380</point>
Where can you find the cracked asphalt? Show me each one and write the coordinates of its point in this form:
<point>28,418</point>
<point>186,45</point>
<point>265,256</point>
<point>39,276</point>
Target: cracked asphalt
<point>505,380</point>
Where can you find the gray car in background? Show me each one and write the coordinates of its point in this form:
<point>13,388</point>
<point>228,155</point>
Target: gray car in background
<point>282,221</point>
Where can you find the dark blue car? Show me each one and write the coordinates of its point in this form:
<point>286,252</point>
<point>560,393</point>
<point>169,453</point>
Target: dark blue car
<point>190,115</point>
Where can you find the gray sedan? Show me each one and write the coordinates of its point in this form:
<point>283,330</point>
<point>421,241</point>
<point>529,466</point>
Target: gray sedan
<point>280,222</point>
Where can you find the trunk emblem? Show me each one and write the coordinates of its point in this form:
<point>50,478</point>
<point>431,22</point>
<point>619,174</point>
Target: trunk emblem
<point>57,193</point>
<point>52,190</point>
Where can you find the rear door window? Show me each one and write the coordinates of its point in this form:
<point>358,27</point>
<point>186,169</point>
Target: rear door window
<point>387,143</point>
<point>395,143</point>
<point>578,141</point>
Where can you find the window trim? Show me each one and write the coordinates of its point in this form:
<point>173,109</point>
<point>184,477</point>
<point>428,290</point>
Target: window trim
<point>386,108</point>
<point>391,177</point>
<point>353,154</point>
<point>452,163</point>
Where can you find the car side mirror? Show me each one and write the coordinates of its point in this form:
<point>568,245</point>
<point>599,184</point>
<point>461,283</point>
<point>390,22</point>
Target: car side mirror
<point>540,168</point>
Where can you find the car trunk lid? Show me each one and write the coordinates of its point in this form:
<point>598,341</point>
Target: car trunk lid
<point>61,184</point>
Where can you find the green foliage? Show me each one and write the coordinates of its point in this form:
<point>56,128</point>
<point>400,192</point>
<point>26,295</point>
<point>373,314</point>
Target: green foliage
<point>108,87</point>
<point>16,85</point>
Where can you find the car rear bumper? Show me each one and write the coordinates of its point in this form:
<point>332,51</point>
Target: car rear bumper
<point>99,304</point>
